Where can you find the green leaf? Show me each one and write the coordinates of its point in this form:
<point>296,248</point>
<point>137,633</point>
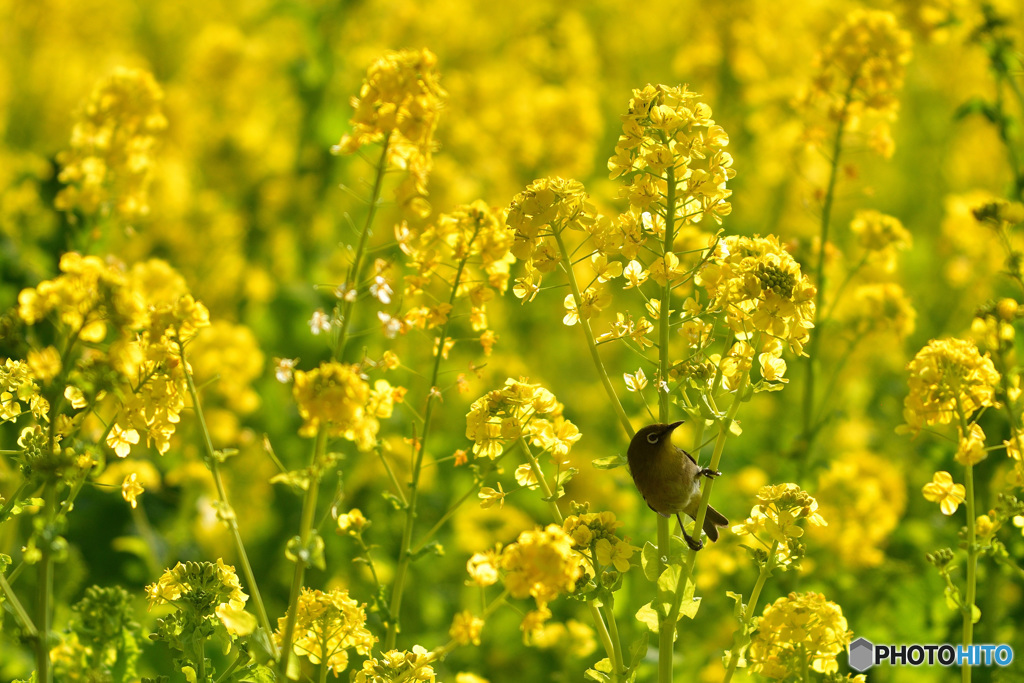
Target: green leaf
<point>646,615</point>
<point>669,579</point>
<point>768,386</point>
<point>649,561</point>
<point>610,462</point>
<point>638,651</point>
<point>595,675</point>
<point>565,476</point>
<point>739,608</point>
<point>734,427</point>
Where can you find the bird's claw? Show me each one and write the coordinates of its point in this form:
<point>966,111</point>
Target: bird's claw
<point>694,543</point>
<point>708,472</point>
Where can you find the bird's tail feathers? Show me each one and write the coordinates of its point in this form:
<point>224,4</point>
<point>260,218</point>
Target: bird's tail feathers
<point>712,520</point>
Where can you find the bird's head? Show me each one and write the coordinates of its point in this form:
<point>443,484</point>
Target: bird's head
<point>651,439</point>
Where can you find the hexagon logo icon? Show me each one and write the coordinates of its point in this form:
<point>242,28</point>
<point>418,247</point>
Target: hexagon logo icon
<point>862,654</point>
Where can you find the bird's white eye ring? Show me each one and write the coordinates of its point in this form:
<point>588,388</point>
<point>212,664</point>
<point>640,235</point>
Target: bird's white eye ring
<point>652,438</point>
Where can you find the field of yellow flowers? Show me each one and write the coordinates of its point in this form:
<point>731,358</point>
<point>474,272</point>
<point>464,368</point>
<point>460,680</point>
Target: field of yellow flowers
<point>325,329</point>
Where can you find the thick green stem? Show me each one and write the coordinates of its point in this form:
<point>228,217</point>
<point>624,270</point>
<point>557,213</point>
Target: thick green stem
<point>819,298</point>
<point>667,625</point>
<point>214,464</point>
<point>741,639</point>
<point>354,280</point>
<point>405,553</point>
<point>972,569</point>
<point>591,342</point>
<point>44,589</point>
<point>301,561</point>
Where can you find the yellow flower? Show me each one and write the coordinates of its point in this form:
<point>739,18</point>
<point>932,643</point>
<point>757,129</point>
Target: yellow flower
<point>514,411</point>
<point>131,489</point>
<point>489,497</point>
<point>353,521</point>
<point>45,364</point>
<point>327,626</point>
<point>943,491</point>
<point>971,450</point>
<point>779,508</point>
<point>758,285</point>
<point>533,624</point>
<point>483,568</point>
<point>541,564</point>
<point>879,307</point>
<point>108,167</point>
<point>122,440</point>
<point>617,554</point>
<point>466,628</point>
<point>946,375</point>
<point>985,527</point>
<point>798,631</point>
<point>399,665</point>
<point>334,396</point>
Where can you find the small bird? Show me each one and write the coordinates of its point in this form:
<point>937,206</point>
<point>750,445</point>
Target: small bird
<point>669,479</point>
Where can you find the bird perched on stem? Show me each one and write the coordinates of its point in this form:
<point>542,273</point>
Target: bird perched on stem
<point>669,479</point>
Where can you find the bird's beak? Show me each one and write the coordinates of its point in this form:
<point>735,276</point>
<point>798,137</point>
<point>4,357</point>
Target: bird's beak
<point>674,425</point>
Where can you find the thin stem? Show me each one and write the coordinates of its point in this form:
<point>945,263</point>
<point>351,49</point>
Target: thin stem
<point>405,554</point>
<point>19,610</point>
<point>742,636</point>
<point>613,632</point>
<point>12,501</point>
<point>819,297</point>
<point>667,625</point>
<point>591,343</point>
<point>305,531</point>
<point>242,659</point>
<point>544,487</point>
<point>222,496</point>
<point>967,608</point>
<point>604,636</point>
<point>353,280</point>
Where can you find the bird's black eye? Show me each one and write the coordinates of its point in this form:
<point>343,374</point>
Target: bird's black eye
<point>652,438</point>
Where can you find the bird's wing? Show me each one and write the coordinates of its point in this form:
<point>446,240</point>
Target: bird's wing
<point>692,459</point>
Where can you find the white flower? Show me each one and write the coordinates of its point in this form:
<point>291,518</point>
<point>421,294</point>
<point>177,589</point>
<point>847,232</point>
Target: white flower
<point>283,369</point>
<point>320,322</point>
<point>381,289</point>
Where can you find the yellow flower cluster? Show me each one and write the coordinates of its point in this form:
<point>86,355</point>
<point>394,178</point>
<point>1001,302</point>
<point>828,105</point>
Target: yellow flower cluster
<point>881,236</point>
<point>671,148</point>
<point>864,496</point>
<point>399,665</point>
<point>519,410</point>
<point>400,102</point>
<point>779,507</point>
<point>947,376</point>
<point>798,631</point>
<point>862,67</point>
<point>108,167</point>
<point>468,249</point>
<point>334,396</point>
<point>597,530</point>
<point>206,590</point>
<point>151,312</point>
<point>758,286</point>
<point>879,307</point>
<point>537,216</point>
<point>541,564</point>
<point>327,626</point>
<point>19,393</point>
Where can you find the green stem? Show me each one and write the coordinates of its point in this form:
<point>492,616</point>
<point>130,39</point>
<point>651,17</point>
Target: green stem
<point>742,637</point>
<point>242,659</point>
<point>19,610</point>
<point>354,279</point>
<point>405,553</point>
<point>604,637</point>
<point>305,531</point>
<point>44,589</point>
<point>613,632</point>
<point>667,625</point>
<point>222,497</point>
<point>967,608</point>
<point>591,342</point>
<point>544,487</point>
<point>819,297</point>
